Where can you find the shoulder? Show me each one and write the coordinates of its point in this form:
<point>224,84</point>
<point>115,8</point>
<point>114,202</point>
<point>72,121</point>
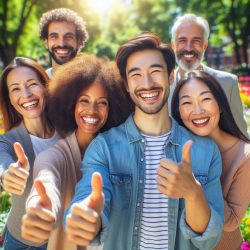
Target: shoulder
<point>220,75</point>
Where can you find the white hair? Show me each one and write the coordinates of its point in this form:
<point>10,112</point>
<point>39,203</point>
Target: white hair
<point>191,18</point>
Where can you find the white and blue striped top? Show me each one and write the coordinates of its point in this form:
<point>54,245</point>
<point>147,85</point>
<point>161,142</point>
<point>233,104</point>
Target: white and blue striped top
<point>154,220</point>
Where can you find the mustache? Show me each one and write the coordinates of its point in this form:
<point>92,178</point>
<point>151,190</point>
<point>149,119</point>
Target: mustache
<point>62,47</point>
<point>186,52</point>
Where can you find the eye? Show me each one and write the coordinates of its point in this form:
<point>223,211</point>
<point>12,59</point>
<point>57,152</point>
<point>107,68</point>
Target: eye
<point>32,84</point>
<point>15,89</point>
<point>53,36</point>
<point>103,103</point>
<point>83,100</point>
<point>69,37</point>
<point>185,103</point>
<point>207,98</point>
<point>135,75</point>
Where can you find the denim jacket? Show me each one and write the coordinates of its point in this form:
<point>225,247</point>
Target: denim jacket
<point>118,155</point>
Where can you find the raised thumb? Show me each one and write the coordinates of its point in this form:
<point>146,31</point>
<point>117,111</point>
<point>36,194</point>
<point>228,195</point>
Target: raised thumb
<point>21,157</point>
<point>44,198</point>
<point>186,152</point>
<point>95,200</point>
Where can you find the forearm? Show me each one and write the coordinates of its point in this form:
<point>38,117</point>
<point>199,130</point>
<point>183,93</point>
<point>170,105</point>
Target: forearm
<point>197,211</point>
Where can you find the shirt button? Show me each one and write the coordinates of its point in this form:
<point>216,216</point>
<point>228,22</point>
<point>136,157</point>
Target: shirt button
<point>141,159</point>
<point>142,140</point>
<point>136,228</point>
<point>140,181</point>
<point>138,204</point>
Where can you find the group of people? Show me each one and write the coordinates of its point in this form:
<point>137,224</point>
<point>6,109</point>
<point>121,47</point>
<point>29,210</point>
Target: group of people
<point>131,154</point>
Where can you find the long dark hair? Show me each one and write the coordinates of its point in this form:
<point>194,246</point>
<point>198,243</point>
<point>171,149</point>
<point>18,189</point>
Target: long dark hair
<point>10,116</point>
<point>226,122</point>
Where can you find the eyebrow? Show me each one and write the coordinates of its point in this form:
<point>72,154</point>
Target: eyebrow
<point>202,93</point>
<point>85,95</point>
<point>151,66</point>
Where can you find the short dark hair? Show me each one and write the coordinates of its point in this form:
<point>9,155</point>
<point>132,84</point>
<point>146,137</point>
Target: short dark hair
<point>77,74</point>
<point>226,122</point>
<point>64,15</point>
<point>10,116</point>
<point>146,40</point>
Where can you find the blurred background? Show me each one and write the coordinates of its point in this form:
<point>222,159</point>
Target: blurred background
<point>111,22</point>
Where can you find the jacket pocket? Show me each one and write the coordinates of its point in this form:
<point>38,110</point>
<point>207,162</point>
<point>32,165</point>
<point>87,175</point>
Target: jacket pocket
<point>202,178</point>
<point>121,190</point>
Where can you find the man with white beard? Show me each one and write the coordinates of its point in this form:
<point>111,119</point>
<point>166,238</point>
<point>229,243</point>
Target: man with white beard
<point>189,41</point>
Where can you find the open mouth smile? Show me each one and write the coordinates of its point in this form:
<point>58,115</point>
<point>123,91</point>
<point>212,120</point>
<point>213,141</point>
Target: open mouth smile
<point>30,105</point>
<point>201,122</point>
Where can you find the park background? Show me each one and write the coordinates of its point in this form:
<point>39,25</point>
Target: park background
<point>111,22</point>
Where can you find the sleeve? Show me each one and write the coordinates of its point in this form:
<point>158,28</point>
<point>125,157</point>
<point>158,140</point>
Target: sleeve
<point>238,197</point>
<point>236,107</point>
<point>49,168</point>
<point>95,160</point>
<point>7,155</point>
<point>213,193</point>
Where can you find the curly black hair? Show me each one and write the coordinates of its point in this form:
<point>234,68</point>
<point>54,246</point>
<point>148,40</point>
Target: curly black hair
<point>69,80</point>
<point>64,15</point>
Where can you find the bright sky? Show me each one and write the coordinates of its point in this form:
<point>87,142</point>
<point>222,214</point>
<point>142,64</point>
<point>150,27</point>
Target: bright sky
<point>102,6</point>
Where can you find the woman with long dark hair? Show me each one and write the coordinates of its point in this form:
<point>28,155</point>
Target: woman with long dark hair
<point>200,104</point>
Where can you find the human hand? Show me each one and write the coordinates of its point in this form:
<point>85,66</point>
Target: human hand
<point>39,220</point>
<point>14,178</point>
<point>176,180</point>
<point>83,222</point>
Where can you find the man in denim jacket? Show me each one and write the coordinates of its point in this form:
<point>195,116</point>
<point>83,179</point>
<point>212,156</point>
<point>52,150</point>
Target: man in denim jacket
<point>179,185</point>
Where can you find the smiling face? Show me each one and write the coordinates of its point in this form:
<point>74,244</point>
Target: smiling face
<point>62,42</point>
<point>148,83</point>
<point>198,108</point>
<point>26,92</point>
<point>189,46</point>
<point>91,110</point>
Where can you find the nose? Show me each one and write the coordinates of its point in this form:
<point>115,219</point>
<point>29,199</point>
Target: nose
<point>189,45</point>
<point>92,107</point>
<point>198,109</point>
<point>148,79</point>
<point>26,92</point>
<point>60,41</point>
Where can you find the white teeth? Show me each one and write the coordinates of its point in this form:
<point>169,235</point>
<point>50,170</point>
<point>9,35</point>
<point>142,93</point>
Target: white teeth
<point>200,121</point>
<point>90,120</point>
<point>150,95</point>
<point>29,104</point>
<point>62,51</point>
<point>188,55</point>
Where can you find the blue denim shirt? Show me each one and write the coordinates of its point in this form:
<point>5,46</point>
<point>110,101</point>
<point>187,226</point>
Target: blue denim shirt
<point>118,155</point>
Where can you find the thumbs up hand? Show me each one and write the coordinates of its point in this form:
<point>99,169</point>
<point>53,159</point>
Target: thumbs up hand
<point>176,180</point>
<point>14,179</point>
<point>83,222</point>
<point>38,222</point>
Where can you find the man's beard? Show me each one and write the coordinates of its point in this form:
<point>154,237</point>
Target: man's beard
<point>191,66</point>
<point>59,60</point>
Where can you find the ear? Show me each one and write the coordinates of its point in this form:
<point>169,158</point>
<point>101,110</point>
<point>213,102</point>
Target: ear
<point>205,45</point>
<point>171,77</point>
<point>172,45</point>
<point>46,43</point>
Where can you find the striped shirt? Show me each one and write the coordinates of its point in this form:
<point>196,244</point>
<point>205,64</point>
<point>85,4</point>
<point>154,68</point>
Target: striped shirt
<point>154,220</point>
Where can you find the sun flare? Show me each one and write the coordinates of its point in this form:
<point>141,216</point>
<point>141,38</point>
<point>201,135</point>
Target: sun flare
<point>102,6</point>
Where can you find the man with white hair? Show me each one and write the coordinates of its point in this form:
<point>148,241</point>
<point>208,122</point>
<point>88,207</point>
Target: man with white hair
<point>189,41</point>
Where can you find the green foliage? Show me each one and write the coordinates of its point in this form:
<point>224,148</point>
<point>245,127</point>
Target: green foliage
<point>245,226</point>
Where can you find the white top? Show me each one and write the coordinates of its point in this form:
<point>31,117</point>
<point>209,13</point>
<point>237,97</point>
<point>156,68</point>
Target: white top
<point>49,72</point>
<point>40,144</point>
<point>154,220</point>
